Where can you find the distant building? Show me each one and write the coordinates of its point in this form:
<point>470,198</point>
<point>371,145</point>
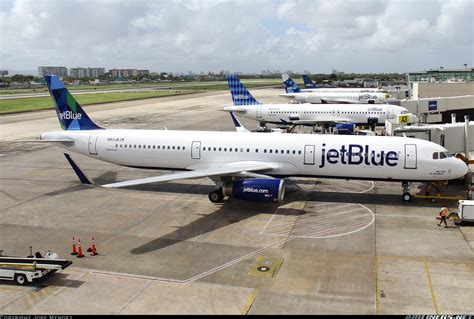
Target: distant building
<point>80,73</point>
<point>60,71</point>
<point>465,75</point>
<point>143,72</point>
<point>125,73</point>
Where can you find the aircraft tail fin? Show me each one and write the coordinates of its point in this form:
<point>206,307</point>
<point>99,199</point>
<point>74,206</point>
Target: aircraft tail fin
<point>240,94</point>
<point>308,84</point>
<point>290,85</point>
<point>71,116</point>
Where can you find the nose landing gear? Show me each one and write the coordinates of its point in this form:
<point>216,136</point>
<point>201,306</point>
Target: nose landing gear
<point>406,192</point>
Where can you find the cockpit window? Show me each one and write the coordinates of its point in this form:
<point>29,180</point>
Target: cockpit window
<point>441,155</point>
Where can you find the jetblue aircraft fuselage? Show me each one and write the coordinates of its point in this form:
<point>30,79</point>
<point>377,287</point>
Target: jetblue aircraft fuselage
<point>360,157</point>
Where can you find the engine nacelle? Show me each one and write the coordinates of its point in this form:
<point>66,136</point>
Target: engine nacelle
<point>345,128</point>
<point>372,120</point>
<point>256,190</point>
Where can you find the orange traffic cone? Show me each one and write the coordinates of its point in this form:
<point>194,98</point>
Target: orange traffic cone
<point>74,251</point>
<point>80,254</point>
<point>94,250</point>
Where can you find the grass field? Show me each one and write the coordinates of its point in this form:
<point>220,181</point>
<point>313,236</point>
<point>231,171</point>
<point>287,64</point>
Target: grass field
<point>215,85</point>
<point>43,103</point>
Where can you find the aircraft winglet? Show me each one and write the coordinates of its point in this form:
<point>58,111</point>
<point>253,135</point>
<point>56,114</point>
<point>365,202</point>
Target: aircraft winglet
<point>86,180</point>
<point>238,126</point>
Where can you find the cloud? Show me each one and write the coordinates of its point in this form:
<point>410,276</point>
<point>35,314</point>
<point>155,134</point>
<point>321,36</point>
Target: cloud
<point>197,35</point>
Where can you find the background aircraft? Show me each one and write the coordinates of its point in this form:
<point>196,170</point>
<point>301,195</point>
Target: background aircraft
<point>309,114</point>
<point>317,96</point>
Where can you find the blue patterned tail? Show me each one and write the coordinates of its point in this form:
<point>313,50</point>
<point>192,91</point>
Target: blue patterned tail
<point>308,84</point>
<point>240,95</point>
<point>290,85</point>
<point>71,116</point>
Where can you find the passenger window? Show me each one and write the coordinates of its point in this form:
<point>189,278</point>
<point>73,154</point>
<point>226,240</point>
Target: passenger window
<point>158,147</point>
<point>169,147</point>
<point>220,149</point>
<point>139,146</point>
<point>225,149</point>
<point>299,152</point>
<point>435,155</point>
<point>173,147</point>
<point>180,147</point>
<point>276,152</point>
<point>116,145</point>
<point>230,149</point>
<point>270,150</point>
<point>294,152</point>
<point>183,148</point>
<point>125,145</point>
<point>214,149</point>
<point>288,152</point>
<point>154,146</point>
<point>256,150</point>
<point>264,150</point>
<point>248,150</point>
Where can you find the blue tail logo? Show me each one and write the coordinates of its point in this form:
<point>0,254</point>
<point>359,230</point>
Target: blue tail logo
<point>308,83</point>
<point>70,114</point>
<point>240,95</point>
<point>290,85</point>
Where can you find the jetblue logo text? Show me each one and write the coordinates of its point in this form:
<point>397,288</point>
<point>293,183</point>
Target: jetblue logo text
<point>355,154</point>
<point>69,115</point>
<point>255,190</point>
<point>242,97</point>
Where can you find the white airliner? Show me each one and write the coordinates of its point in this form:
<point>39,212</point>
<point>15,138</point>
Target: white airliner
<point>310,86</point>
<point>248,166</point>
<point>318,96</point>
<point>246,105</point>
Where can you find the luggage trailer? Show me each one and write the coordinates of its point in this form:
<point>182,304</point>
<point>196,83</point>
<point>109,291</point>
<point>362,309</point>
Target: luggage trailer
<point>25,269</point>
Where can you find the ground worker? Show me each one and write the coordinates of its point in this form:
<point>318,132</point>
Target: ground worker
<point>443,213</point>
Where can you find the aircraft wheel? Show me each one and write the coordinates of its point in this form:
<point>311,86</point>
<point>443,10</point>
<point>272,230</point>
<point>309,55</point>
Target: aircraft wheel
<point>406,197</point>
<point>20,279</point>
<point>216,196</point>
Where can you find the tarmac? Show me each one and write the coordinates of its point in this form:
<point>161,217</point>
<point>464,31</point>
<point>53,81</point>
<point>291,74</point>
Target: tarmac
<point>332,246</point>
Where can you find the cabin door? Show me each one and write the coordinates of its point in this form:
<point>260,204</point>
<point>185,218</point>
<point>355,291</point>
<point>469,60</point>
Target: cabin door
<point>410,156</point>
<point>309,155</point>
<point>93,144</point>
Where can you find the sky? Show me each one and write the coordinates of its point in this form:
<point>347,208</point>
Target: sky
<point>360,36</point>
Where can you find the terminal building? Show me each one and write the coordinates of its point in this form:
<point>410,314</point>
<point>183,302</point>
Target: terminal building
<point>60,71</point>
<point>436,94</point>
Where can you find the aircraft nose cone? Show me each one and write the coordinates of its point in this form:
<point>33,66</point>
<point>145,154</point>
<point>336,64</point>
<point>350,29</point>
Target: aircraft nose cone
<point>461,169</point>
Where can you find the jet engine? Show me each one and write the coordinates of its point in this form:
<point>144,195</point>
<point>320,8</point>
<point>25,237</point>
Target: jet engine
<point>345,128</point>
<point>256,190</point>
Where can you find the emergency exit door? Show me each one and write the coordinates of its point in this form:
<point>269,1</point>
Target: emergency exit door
<point>410,156</point>
<point>196,150</point>
<point>309,155</point>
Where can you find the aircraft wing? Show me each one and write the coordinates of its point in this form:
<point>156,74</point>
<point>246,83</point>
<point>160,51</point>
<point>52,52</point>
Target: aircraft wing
<point>232,169</point>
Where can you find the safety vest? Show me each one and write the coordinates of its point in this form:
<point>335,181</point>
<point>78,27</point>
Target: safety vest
<point>443,211</point>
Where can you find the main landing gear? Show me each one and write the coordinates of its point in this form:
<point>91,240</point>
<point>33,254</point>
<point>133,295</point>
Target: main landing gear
<point>406,192</point>
<point>216,196</point>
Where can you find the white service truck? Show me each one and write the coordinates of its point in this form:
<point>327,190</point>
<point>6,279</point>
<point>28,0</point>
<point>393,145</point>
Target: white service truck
<point>465,212</point>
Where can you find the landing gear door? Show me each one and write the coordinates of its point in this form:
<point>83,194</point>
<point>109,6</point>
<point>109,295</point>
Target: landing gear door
<point>410,156</point>
<point>309,155</point>
<point>196,150</point>
<point>93,144</point>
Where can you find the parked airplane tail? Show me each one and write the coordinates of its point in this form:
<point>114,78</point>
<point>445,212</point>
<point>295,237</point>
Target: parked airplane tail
<point>71,116</point>
<point>240,94</point>
<point>308,84</point>
<point>290,85</point>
